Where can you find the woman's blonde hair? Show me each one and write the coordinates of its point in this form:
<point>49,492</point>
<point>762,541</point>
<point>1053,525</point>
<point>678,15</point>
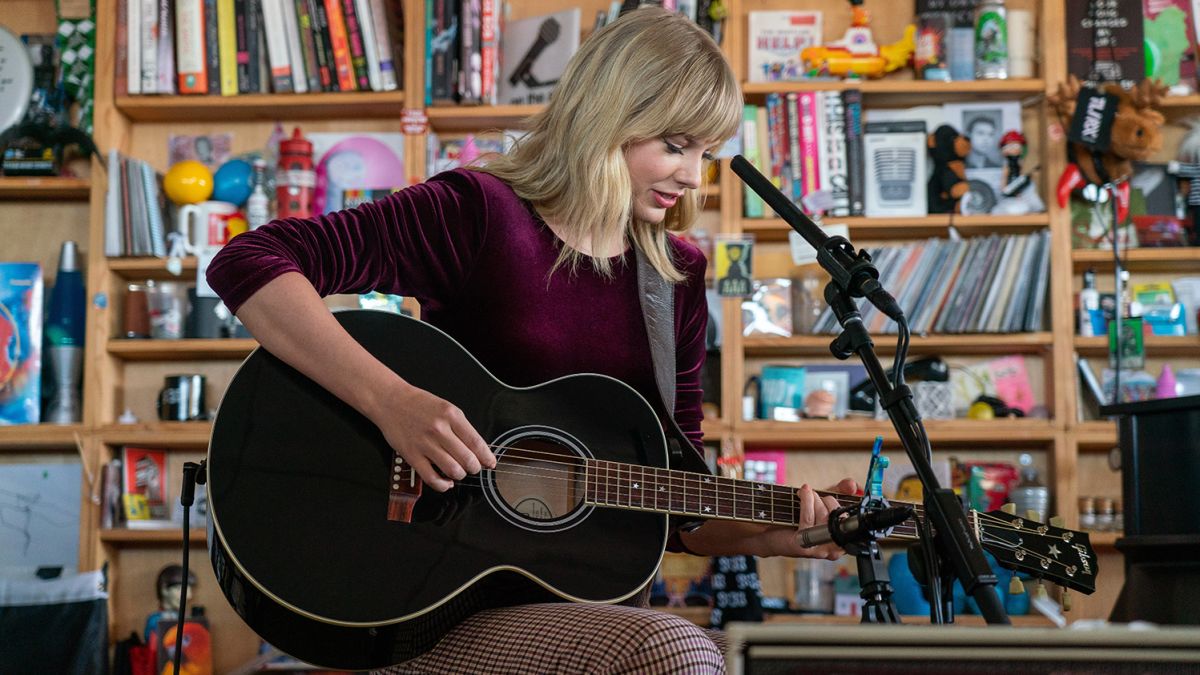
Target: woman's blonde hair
<point>649,74</point>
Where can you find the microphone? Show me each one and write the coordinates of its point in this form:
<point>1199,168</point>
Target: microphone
<point>857,527</point>
<point>547,33</point>
<point>852,271</point>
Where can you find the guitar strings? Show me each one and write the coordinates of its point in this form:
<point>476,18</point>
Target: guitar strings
<point>736,484</point>
<point>741,489</point>
<point>901,531</point>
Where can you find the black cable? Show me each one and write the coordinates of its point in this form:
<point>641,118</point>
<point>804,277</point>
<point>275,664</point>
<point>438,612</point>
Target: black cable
<point>1118,286</point>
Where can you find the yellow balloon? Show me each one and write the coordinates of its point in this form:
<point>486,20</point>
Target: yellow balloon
<point>188,182</point>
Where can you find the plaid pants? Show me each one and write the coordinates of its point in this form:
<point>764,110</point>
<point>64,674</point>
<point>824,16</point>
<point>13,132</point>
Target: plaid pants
<point>573,638</point>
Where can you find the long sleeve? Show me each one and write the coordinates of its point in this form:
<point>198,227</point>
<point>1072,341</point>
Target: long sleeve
<point>421,241</point>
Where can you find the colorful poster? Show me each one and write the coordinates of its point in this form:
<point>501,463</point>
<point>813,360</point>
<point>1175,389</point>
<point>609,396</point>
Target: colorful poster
<point>20,342</point>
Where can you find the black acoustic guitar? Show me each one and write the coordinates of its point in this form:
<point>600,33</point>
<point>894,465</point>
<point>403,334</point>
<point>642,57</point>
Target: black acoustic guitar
<point>324,543</point>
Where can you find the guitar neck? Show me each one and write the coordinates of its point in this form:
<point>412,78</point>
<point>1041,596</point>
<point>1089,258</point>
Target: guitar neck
<point>682,493</point>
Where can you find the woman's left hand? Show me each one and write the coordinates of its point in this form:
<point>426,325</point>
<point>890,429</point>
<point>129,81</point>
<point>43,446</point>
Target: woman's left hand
<point>814,510</point>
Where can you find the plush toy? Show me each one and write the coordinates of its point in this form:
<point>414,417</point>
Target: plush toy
<point>1136,134</point>
<point>948,183</point>
<point>1017,196</point>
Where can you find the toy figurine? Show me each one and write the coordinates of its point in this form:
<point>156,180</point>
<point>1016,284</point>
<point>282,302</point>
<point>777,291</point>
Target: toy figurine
<point>948,183</point>
<point>1136,134</point>
<point>856,54</point>
<point>169,588</point>
<point>1187,167</point>
<point>1017,196</point>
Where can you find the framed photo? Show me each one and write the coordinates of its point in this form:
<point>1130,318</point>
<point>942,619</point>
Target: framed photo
<point>984,124</point>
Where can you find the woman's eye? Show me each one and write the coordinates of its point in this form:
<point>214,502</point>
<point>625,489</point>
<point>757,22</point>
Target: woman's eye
<point>708,157</point>
<point>671,147</point>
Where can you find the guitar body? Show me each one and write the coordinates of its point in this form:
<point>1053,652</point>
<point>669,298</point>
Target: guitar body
<point>299,484</point>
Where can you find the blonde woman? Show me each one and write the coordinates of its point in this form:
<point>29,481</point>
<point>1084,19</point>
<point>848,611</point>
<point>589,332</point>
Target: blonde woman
<point>529,264</point>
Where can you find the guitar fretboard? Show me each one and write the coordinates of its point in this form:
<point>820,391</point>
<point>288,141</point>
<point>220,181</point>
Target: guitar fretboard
<point>630,486</point>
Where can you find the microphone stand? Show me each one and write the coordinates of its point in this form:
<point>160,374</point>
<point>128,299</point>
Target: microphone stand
<point>853,276</point>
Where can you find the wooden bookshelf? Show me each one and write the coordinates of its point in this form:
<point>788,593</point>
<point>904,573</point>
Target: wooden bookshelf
<point>1156,345</point>
<point>38,189</point>
<point>20,437</point>
<point>267,107</point>
<point>900,87</point>
<point>771,229</point>
<point>1097,435</point>
<point>1104,539</point>
<point>857,433</point>
<point>173,435</point>
<point>140,269</point>
<point>1177,259</point>
<point>124,536</point>
<point>186,349</point>
<point>479,117</point>
<point>818,345</point>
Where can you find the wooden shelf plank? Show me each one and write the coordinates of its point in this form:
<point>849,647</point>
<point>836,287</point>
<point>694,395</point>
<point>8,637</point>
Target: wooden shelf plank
<point>1104,539</point>
<point>140,269</point>
<point>33,188</point>
<point>907,228</point>
<point>186,349</point>
<point>1097,435</point>
<point>166,535</point>
<point>478,117</point>
<point>818,345</point>
<point>328,105</point>
<point>1184,258</point>
<point>185,435</point>
<point>1156,345</point>
<point>39,436</point>
<point>857,433</point>
<point>891,86</point>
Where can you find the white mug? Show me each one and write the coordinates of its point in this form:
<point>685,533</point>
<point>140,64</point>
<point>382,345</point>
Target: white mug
<point>207,224</point>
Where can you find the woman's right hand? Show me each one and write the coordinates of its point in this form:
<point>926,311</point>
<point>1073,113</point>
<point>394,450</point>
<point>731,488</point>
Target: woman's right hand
<point>432,435</point>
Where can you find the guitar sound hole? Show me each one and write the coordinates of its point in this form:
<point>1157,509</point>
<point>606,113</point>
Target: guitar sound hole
<point>539,479</point>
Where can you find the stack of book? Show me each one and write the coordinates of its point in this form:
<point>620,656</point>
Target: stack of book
<point>233,47</point>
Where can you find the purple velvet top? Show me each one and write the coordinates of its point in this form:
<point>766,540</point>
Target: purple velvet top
<point>475,255</point>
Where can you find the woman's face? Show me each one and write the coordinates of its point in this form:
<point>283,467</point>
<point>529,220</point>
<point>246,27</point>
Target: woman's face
<point>660,169</point>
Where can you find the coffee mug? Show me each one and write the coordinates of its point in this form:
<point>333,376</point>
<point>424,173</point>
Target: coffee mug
<point>209,225</point>
<point>182,399</point>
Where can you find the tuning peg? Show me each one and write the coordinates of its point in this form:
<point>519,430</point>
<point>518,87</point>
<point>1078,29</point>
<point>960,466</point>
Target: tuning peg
<point>1015,587</point>
<point>1058,521</point>
<point>1066,599</point>
<point>1009,508</point>
<point>1033,516</point>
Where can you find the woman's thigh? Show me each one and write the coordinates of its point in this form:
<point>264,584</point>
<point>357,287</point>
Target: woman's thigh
<point>573,638</point>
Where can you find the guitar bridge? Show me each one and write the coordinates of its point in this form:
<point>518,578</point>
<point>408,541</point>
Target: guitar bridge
<point>405,491</point>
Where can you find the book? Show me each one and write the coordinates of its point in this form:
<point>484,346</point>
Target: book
<point>21,291</point>
<point>144,487</point>
<point>535,52</point>
<point>775,40</point>
<point>1107,48</point>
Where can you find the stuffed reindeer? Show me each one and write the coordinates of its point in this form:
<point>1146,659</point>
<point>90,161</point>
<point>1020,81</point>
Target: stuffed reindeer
<point>1136,134</point>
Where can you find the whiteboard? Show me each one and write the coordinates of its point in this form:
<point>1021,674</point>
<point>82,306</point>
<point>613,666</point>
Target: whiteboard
<point>39,518</point>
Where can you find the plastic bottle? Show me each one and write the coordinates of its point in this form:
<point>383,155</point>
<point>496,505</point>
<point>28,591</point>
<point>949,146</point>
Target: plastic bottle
<point>258,208</point>
<point>1030,494</point>
<point>296,180</point>
<point>1089,301</point>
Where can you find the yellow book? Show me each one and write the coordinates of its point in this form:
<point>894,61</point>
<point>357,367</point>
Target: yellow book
<point>227,47</point>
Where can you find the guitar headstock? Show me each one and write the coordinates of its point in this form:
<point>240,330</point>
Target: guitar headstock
<point>1060,555</point>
